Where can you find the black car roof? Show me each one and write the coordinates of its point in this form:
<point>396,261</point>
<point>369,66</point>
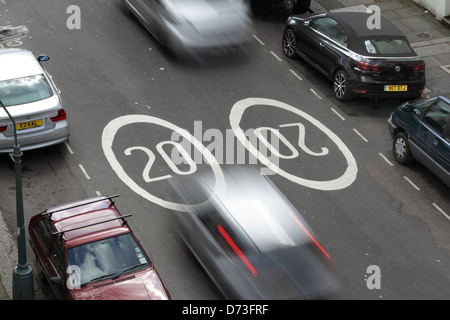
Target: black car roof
<point>356,24</point>
<point>357,28</point>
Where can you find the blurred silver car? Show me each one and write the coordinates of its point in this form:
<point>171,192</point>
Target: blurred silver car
<point>195,28</point>
<point>250,240</point>
<point>33,101</point>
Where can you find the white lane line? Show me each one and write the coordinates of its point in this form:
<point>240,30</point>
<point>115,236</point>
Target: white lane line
<point>84,172</point>
<point>275,55</point>
<point>386,159</point>
<point>315,93</point>
<point>411,183</point>
<point>337,113</point>
<point>98,193</point>
<point>295,74</point>
<point>360,135</point>
<point>441,211</point>
<point>68,147</point>
<point>259,40</point>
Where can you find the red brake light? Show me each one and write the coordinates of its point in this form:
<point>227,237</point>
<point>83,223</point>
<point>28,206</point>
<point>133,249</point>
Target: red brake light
<point>310,235</point>
<point>3,128</point>
<point>237,250</point>
<point>419,67</point>
<point>366,66</point>
<point>60,116</point>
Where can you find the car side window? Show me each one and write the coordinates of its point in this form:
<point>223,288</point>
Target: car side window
<point>437,116</point>
<point>446,132</point>
<point>44,232</point>
<point>331,29</point>
<point>57,256</point>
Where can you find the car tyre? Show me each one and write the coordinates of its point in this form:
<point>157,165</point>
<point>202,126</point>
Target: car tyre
<point>289,44</point>
<point>341,88</point>
<point>401,150</point>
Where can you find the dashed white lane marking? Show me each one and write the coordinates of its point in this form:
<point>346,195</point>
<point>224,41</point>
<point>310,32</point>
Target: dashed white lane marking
<point>275,55</point>
<point>441,211</point>
<point>337,113</point>
<point>68,147</point>
<point>259,40</point>
<point>84,172</point>
<point>295,74</point>
<point>315,93</point>
<point>411,183</point>
<point>386,159</point>
<point>360,135</point>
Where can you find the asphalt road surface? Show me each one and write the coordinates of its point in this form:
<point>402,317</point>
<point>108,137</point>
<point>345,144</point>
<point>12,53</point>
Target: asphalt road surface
<point>126,98</point>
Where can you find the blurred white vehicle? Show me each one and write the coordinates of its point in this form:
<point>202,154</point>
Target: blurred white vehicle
<point>250,240</point>
<point>195,28</point>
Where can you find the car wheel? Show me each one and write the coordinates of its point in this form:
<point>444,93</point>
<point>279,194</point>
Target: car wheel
<point>340,86</point>
<point>289,43</point>
<point>402,152</point>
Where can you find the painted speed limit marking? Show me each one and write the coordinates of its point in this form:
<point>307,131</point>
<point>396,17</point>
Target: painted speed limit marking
<point>345,180</point>
<point>109,134</point>
<point>180,144</point>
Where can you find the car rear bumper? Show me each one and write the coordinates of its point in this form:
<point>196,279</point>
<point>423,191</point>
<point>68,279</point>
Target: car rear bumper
<point>370,86</point>
<point>414,90</point>
<point>56,135</point>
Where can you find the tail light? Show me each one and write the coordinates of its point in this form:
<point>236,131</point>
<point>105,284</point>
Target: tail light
<point>3,128</point>
<point>60,116</point>
<point>238,251</point>
<point>419,67</point>
<point>367,66</point>
<point>310,235</point>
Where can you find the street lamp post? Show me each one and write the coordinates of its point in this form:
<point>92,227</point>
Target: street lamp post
<point>23,283</point>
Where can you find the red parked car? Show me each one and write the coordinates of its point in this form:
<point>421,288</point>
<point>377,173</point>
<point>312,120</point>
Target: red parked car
<point>87,251</point>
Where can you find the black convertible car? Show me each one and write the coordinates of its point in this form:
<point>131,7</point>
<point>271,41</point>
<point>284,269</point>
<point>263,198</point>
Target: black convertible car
<point>360,60</point>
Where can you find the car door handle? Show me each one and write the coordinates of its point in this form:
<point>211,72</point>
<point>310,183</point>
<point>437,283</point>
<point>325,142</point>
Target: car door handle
<point>435,142</point>
<point>321,44</point>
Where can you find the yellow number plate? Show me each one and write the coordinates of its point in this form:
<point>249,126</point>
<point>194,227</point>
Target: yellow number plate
<point>396,88</point>
<point>29,124</point>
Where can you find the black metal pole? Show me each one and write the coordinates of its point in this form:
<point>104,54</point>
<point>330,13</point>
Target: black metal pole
<point>23,282</point>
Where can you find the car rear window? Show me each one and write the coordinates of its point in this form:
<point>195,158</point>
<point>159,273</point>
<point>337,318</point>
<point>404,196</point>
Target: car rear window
<point>106,258</point>
<point>386,46</point>
<point>24,90</point>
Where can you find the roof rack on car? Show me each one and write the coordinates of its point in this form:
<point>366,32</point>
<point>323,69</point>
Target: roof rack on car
<point>93,224</point>
<point>50,212</point>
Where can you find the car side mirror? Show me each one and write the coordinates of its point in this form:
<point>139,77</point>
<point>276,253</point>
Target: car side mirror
<point>43,57</point>
<point>56,280</point>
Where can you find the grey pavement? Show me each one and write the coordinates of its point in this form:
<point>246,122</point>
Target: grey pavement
<point>429,37</point>
<point>8,259</point>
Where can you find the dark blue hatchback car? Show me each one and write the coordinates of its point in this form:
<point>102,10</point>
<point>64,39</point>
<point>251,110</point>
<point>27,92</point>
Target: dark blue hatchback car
<point>421,131</point>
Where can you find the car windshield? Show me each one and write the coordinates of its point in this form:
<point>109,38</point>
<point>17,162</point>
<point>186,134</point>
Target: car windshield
<point>387,46</point>
<point>24,90</point>
<point>106,258</point>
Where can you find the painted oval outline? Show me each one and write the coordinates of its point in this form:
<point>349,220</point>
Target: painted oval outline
<point>109,133</point>
<point>342,182</point>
